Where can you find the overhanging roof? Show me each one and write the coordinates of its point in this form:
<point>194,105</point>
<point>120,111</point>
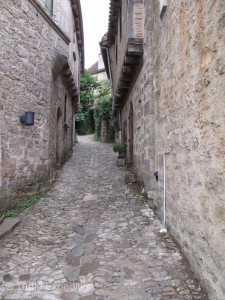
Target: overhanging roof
<point>77,13</point>
<point>133,51</point>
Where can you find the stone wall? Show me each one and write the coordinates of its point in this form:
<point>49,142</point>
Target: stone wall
<point>32,57</point>
<point>64,18</point>
<point>142,97</point>
<point>117,49</point>
<point>190,115</point>
<point>178,100</point>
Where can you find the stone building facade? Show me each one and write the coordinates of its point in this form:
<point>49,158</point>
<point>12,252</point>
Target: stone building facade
<point>41,60</point>
<point>168,70</point>
<point>98,69</point>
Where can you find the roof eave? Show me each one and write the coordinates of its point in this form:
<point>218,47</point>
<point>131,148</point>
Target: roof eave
<point>78,19</point>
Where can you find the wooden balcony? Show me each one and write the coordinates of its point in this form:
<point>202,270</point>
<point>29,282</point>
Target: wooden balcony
<point>130,46</point>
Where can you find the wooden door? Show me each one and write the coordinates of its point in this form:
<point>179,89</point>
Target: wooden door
<point>59,137</point>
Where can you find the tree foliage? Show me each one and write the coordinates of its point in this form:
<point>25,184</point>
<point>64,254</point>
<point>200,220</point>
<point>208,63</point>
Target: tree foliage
<point>94,95</point>
<point>103,112</point>
<point>89,86</point>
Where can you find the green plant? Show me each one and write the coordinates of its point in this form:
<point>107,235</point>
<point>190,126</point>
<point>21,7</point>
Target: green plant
<point>89,89</point>
<point>119,147</point>
<point>23,205</point>
<point>81,122</point>
<point>95,107</point>
<point>75,137</point>
<point>103,112</point>
<point>97,138</point>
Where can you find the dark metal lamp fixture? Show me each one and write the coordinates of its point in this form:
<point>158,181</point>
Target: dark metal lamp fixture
<point>156,174</point>
<point>27,118</point>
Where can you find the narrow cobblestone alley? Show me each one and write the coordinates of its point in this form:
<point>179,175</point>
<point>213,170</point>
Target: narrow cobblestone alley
<point>92,237</point>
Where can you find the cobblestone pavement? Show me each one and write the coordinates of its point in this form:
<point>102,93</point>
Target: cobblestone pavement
<point>92,237</point>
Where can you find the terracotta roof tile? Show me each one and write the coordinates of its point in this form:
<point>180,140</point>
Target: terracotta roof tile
<point>94,68</point>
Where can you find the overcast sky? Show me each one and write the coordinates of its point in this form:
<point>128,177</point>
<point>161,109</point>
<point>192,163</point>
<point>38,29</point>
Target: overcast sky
<point>95,19</point>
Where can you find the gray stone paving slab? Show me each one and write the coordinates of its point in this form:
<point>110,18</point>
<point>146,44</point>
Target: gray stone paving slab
<point>93,237</point>
<point>7,225</point>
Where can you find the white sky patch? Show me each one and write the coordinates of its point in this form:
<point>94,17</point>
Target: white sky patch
<point>95,20</point>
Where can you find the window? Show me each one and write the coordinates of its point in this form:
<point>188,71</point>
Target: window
<point>49,6</point>
<point>74,56</point>
<point>116,49</point>
<point>163,6</point>
<point>121,23</point>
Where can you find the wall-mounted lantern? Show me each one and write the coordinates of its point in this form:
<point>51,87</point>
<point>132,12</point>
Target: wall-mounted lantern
<point>27,118</point>
<point>156,174</point>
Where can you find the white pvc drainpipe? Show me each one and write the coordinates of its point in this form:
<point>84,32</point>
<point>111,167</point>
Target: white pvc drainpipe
<point>0,160</point>
<point>110,72</point>
<point>163,229</point>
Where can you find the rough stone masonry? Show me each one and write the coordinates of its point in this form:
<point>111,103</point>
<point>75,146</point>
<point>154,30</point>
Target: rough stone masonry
<point>34,50</point>
<point>93,237</point>
<point>177,104</point>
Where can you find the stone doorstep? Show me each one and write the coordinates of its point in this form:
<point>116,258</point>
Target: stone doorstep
<point>130,178</point>
<point>2,219</point>
<point>7,226</point>
<point>121,162</point>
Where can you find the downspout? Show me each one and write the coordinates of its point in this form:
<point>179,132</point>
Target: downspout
<point>72,127</point>
<point>163,228</point>
<point>120,121</point>
<point>0,160</point>
<point>3,130</point>
<point>110,72</point>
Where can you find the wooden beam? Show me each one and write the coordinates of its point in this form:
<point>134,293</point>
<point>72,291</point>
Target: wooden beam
<point>128,69</point>
<point>123,85</point>
<point>120,95</point>
<point>135,49</point>
<point>74,92</point>
<point>67,72</point>
<point>126,77</point>
<point>69,79</point>
<point>131,60</point>
<point>114,18</point>
<point>71,84</point>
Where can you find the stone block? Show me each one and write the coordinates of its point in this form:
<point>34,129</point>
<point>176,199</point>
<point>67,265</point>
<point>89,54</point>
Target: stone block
<point>121,162</point>
<point>69,296</point>
<point>73,261</point>
<point>89,297</point>
<point>130,178</point>
<point>7,226</point>
<point>89,268</point>
<point>42,167</point>
<point>3,128</point>
<point>2,219</point>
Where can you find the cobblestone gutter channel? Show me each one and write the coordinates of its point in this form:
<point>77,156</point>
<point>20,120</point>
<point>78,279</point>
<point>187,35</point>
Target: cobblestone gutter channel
<point>93,237</point>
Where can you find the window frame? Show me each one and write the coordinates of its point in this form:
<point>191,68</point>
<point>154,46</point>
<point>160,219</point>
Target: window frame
<point>49,6</point>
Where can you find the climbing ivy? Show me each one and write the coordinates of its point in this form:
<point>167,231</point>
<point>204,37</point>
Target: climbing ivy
<point>81,122</point>
<point>88,87</point>
<point>96,106</point>
<point>103,112</point>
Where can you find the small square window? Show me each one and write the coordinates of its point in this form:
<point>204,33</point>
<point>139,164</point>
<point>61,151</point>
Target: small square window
<point>163,6</point>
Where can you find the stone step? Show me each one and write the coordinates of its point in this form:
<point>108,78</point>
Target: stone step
<point>1,219</point>
<point>7,226</point>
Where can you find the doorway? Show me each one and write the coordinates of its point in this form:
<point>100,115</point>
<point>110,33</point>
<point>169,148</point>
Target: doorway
<point>59,137</point>
<point>131,136</point>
